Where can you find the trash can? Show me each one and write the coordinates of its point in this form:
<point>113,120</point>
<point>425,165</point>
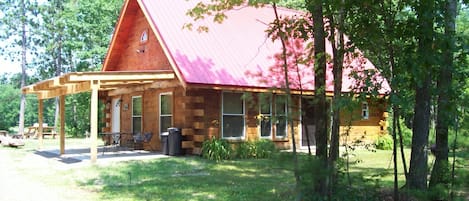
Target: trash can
<point>174,141</point>
<point>164,143</point>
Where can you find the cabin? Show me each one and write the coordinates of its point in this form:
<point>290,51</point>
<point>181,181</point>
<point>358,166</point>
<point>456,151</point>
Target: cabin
<point>220,83</point>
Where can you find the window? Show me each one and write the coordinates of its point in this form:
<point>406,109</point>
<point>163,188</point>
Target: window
<point>136,114</point>
<point>144,36</point>
<point>280,116</point>
<point>365,110</point>
<point>166,111</point>
<point>265,117</point>
<point>233,115</point>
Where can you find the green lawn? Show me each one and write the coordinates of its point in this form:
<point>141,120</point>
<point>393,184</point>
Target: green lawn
<point>194,178</point>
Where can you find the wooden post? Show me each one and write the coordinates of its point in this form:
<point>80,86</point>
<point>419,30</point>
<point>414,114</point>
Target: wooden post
<point>40,121</point>
<point>62,125</point>
<point>94,122</point>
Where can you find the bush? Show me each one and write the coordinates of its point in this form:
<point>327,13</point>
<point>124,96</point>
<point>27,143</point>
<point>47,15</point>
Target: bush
<point>384,142</point>
<point>245,150</point>
<point>216,149</point>
<point>264,148</point>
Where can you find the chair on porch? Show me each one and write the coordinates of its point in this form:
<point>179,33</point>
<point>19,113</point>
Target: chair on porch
<point>114,142</point>
<point>137,141</point>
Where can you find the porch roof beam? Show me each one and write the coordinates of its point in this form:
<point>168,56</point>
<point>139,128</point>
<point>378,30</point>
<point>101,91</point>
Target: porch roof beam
<point>78,82</point>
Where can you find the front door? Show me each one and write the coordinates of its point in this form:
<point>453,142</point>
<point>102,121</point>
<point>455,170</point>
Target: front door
<point>116,115</point>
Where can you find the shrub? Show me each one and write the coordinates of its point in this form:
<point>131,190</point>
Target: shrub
<point>384,142</point>
<point>245,150</point>
<point>264,148</point>
<point>216,149</point>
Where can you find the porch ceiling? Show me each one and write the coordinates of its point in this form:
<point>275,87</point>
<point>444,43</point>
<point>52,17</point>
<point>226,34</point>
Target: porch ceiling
<point>77,82</point>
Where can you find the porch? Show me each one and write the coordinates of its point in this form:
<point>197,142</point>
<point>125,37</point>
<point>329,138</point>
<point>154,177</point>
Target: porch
<point>115,82</point>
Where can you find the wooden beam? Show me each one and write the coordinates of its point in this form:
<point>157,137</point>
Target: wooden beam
<point>62,125</point>
<point>119,76</point>
<point>94,122</point>
<point>126,90</point>
<point>40,121</point>
<point>48,84</point>
<point>66,89</point>
<point>165,84</point>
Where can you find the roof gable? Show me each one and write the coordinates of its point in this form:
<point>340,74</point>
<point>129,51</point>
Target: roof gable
<point>134,46</point>
<point>229,53</point>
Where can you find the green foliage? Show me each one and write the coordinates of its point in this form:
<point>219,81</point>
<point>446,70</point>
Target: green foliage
<point>264,148</point>
<point>219,149</point>
<point>245,150</point>
<point>216,149</point>
<point>10,102</point>
<point>258,149</point>
<point>384,142</point>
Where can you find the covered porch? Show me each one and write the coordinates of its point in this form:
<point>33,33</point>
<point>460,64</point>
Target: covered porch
<point>110,82</point>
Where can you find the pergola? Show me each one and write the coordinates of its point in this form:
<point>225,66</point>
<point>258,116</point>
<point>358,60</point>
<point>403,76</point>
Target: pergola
<point>114,82</point>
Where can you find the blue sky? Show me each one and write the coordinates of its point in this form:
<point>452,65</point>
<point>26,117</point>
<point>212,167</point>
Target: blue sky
<point>6,66</point>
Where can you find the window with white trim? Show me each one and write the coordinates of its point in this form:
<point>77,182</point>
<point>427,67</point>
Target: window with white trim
<point>265,117</point>
<point>281,116</point>
<point>365,110</point>
<point>136,114</point>
<point>166,111</point>
<point>233,122</point>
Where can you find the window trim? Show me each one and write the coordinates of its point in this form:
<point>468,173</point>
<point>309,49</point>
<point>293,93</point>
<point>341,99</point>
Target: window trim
<point>365,109</point>
<point>261,115</point>
<point>243,115</point>
<point>276,137</point>
<point>133,115</point>
<point>159,109</point>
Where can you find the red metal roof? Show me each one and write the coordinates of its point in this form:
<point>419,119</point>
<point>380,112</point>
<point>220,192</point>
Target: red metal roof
<point>231,52</point>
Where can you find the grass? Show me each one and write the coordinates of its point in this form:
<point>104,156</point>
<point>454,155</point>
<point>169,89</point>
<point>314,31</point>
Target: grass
<point>194,178</point>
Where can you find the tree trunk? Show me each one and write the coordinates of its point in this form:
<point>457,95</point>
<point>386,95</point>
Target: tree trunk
<point>445,103</point>
<point>58,72</point>
<point>288,103</point>
<point>315,7</point>
<point>337,40</point>
<point>23,67</point>
<point>418,160</point>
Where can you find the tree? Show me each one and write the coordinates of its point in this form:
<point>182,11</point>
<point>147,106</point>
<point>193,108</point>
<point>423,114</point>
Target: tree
<point>75,36</point>
<point>425,11</point>
<point>22,13</point>
<point>446,101</point>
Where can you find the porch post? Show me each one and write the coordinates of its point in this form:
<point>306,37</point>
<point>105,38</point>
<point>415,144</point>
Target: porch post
<point>40,121</point>
<point>62,125</point>
<point>94,121</point>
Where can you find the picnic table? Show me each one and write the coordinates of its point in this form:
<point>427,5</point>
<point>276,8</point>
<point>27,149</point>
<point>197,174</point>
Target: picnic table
<point>34,131</point>
<point>3,133</point>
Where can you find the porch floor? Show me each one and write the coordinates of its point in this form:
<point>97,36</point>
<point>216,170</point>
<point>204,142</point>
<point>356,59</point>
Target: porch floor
<point>81,155</point>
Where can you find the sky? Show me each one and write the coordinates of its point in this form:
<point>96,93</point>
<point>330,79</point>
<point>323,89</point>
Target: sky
<point>6,66</point>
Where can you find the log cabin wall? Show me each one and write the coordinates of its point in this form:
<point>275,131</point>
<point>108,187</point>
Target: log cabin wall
<point>366,130</point>
<point>200,114</point>
<point>137,55</point>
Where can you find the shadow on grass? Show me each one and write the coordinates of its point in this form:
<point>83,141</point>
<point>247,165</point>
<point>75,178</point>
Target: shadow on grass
<point>192,178</point>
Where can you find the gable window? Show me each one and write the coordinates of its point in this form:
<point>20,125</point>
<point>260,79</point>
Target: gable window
<point>265,117</point>
<point>281,116</point>
<point>365,110</point>
<point>136,114</point>
<point>233,115</point>
<point>144,36</point>
<point>166,111</point>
